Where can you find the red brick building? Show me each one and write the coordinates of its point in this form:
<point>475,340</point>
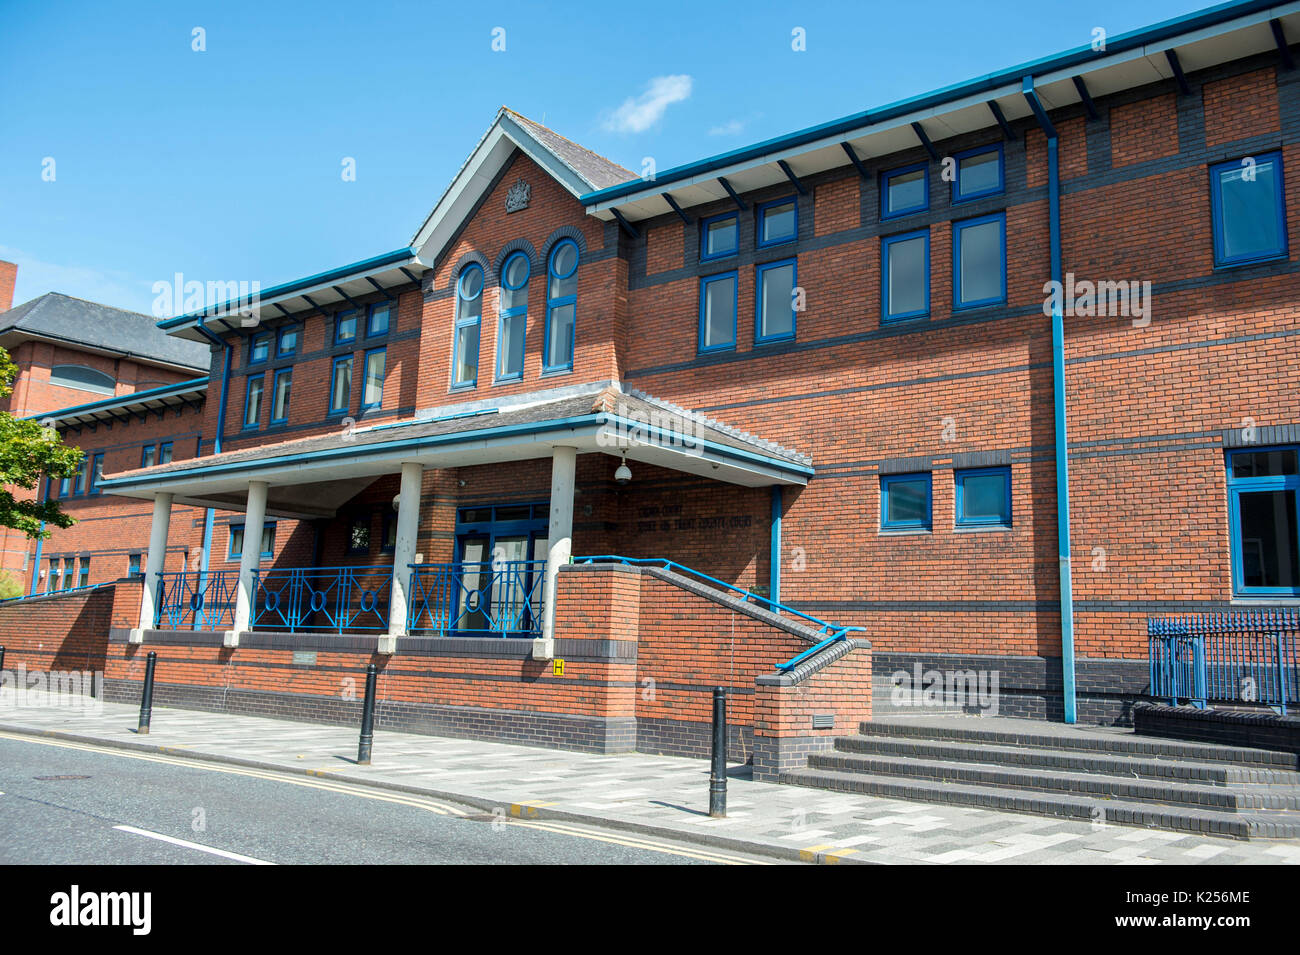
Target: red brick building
<point>831,370</point>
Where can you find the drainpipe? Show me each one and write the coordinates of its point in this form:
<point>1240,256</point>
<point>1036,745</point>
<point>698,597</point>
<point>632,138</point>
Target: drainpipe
<point>40,541</point>
<point>1058,391</point>
<point>774,561</point>
<point>209,513</point>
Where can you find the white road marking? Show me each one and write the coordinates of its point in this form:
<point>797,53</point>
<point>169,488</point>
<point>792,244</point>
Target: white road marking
<point>193,845</point>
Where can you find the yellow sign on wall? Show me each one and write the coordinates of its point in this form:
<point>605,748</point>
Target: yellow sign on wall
<point>557,667</point>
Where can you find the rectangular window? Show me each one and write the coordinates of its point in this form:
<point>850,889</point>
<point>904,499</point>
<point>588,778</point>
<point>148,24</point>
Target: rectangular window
<point>906,190</point>
<point>259,347</point>
<point>280,396</point>
<point>510,345</point>
<point>345,327</point>
<point>235,545</point>
<point>133,565</point>
<point>906,270</point>
<point>52,577</point>
<point>775,302</point>
<point>719,236</point>
<point>979,173</point>
<point>341,385</point>
<point>148,456</point>
<point>390,532</point>
<point>1262,489</point>
<point>96,472</point>
<point>165,453</point>
<point>359,535</point>
<point>377,320</point>
<point>64,484</point>
<point>287,342</point>
<point>718,312</point>
<point>983,497</point>
<point>69,571</point>
<point>372,395</point>
<point>79,479</point>
<point>253,402</point>
<point>1247,206</point>
<point>905,501</point>
<point>83,574</point>
<point>778,222</point>
<point>980,261</point>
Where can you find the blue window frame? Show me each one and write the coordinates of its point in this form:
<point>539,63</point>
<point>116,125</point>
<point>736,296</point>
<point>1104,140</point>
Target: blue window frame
<point>718,312</point>
<point>905,501</point>
<point>235,543</point>
<point>905,190</point>
<point>377,316</point>
<point>469,320</point>
<point>345,327</point>
<point>280,393</point>
<point>79,479</point>
<point>372,385</point>
<point>253,401</point>
<point>983,497</point>
<point>165,453</point>
<point>561,307</point>
<point>979,173</point>
<point>83,572</point>
<point>1248,210</point>
<point>512,317</point>
<point>96,473</point>
<point>341,385</point>
<point>286,342</point>
<point>719,236</point>
<point>259,347</point>
<point>148,456</point>
<point>778,221</point>
<point>1263,485</point>
<point>905,276</point>
<point>133,565</point>
<point>774,314</point>
<point>979,261</point>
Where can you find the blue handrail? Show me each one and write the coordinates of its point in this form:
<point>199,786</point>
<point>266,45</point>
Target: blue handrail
<point>82,588</point>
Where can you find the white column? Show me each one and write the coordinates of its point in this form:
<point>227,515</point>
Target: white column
<point>154,564</point>
<point>564,464</point>
<point>408,525</point>
<point>249,560</point>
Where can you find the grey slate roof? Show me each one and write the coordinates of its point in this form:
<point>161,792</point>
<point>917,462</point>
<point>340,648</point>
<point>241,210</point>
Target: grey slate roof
<point>594,168</point>
<point>78,322</point>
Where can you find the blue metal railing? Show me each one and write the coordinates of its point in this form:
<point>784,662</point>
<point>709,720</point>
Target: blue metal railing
<point>1246,656</point>
<point>196,601</point>
<point>321,599</point>
<point>82,588</point>
<point>477,598</point>
<point>831,632</point>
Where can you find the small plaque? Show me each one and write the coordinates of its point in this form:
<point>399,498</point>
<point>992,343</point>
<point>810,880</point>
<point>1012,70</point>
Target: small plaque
<point>517,196</point>
<point>557,667</point>
<point>304,658</point>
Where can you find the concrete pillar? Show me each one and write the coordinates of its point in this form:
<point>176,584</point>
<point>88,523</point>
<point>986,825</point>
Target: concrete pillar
<point>154,564</point>
<point>564,466</point>
<point>249,560</point>
<point>408,525</point>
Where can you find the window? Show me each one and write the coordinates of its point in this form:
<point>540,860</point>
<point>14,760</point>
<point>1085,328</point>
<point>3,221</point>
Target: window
<point>979,261</point>
<point>345,327</point>
<point>561,306</point>
<point>719,236</point>
<point>165,453</point>
<point>259,347</point>
<point>359,535</point>
<point>979,173</point>
<point>774,303</point>
<point>983,497</point>
<point>148,456</point>
<point>513,317</point>
<point>235,546</point>
<point>906,269</point>
<point>79,479</point>
<point>83,574</point>
<point>287,341</point>
<point>341,385</point>
<point>1262,489</point>
<point>905,190</point>
<point>469,314</point>
<point>81,378</point>
<point>64,484</point>
<point>905,502</point>
<point>718,312</point>
<point>1247,207</point>
<point>377,320</point>
<point>372,392</point>
<point>253,402</point>
<point>133,565</point>
<point>778,222</point>
<point>96,472</point>
<point>52,576</point>
<point>390,532</point>
<point>69,571</point>
<point>280,396</point>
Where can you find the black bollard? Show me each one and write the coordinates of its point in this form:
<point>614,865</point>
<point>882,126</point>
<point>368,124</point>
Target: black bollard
<point>2,658</point>
<point>718,773</point>
<point>367,718</point>
<point>146,698</point>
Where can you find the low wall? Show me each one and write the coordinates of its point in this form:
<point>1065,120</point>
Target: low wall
<point>1252,730</point>
<point>67,631</point>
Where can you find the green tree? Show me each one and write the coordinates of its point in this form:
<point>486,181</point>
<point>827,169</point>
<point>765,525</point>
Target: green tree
<point>29,452</point>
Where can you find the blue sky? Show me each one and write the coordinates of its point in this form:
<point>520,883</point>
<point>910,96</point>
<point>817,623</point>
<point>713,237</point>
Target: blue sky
<point>226,164</point>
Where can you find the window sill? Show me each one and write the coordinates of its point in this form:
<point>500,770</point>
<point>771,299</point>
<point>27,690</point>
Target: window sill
<point>978,528</point>
<point>1283,256</point>
<point>976,306</point>
<point>1265,600</point>
<point>556,372</point>
<point>904,531</point>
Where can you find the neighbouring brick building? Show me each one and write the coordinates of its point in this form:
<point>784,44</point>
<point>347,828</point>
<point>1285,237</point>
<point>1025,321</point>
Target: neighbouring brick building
<point>826,362</point>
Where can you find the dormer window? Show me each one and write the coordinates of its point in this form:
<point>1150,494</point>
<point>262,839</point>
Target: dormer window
<point>82,378</point>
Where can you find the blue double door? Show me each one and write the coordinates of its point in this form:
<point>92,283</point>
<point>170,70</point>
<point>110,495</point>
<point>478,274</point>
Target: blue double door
<point>502,552</point>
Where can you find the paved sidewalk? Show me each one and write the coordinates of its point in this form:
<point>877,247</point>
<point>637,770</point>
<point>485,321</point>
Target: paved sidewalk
<point>659,795</point>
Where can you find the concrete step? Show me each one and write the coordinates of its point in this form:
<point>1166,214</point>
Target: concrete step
<point>1238,825</point>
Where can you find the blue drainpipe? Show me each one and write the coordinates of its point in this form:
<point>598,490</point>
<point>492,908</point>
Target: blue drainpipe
<point>40,542</point>
<point>1058,392</point>
<point>775,558</point>
<point>209,514</point>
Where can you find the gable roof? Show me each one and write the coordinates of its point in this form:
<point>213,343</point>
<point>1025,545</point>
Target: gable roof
<point>91,326</point>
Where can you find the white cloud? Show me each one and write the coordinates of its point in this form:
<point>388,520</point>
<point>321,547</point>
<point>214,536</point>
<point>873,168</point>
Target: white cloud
<point>730,128</point>
<point>108,287</point>
<point>638,114</point>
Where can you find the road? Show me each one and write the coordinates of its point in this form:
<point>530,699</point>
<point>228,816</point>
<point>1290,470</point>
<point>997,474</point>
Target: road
<point>70,803</point>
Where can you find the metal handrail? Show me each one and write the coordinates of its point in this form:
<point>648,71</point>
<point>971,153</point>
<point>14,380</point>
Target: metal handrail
<point>1215,656</point>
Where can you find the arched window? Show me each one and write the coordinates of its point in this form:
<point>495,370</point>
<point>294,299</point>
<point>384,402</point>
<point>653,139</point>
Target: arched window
<point>561,306</point>
<point>469,315</point>
<point>513,319</point>
<point>81,378</point>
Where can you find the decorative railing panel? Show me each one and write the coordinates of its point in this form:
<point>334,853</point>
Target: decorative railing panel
<point>321,599</point>
<point>196,601</point>
<point>480,598</point>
